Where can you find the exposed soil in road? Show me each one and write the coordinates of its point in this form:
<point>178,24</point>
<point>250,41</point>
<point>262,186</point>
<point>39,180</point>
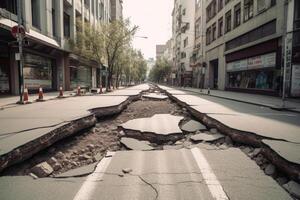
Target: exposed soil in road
<point>91,145</point>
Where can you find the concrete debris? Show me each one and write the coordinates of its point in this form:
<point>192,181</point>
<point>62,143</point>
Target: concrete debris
<point>42,170</point>
<point>270,170</point>
<point>255,152</point>
<point>193,126</point>
<point>134,144</point>
<point>126,170</point>
<point>247,150</point>
<point>52,161</point>
<point>33,175</point>
<point>206,137</point>
<point>293,188</point>
<point>228,140</point>
<point>98,157</point>
<point>84,157</point>
<point>214,131</point>
<point>282,180</point>
<point>59,155</point>
<point>91,146</point>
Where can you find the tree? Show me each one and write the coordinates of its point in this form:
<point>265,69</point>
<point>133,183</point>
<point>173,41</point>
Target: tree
<point>104,43</point>
<point>160,71</point>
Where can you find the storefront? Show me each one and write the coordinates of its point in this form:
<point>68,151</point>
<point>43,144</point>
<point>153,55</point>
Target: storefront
<point>80,76</point>
<point>4,69</point>
<point>38,71</point>
<point>258,73</point>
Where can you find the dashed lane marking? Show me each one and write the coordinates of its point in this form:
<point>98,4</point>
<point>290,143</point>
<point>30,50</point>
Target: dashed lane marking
<point>89,185</point>
<point>210,178</point>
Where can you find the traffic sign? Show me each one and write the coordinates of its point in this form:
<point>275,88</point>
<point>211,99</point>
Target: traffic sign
<point>14,31</point>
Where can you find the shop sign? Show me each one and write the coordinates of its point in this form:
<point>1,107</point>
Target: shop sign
<point>295,87</point>
<point>257,62</point>
<point>267,60</point>
<point>237,65</point>
<point>36,83</point>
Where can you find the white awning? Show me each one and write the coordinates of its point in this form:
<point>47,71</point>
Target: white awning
<point>31,34</point>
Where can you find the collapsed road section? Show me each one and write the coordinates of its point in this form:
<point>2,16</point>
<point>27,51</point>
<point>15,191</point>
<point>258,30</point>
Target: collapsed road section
<point>26,130</point>
<point>275,132</point>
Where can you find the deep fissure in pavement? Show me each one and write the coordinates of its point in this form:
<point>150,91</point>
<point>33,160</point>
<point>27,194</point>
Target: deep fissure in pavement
<point>89,146</point>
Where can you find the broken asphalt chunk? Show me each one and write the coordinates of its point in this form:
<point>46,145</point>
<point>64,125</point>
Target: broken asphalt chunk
<point>206,137</point>
<point>193,126</point>
<point>134,144</point>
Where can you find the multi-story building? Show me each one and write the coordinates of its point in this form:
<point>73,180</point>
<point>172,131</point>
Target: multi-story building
<point>48,60</point>
<point>197,60</point>
<point>160,49</point>
<point>244,45</point>
<point>293,27</point>
<point>183,37</point>
<point>116,9</point>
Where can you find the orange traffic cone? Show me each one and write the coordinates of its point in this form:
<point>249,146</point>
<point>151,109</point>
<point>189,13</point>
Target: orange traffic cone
<point>100,90</point>
<point>78,91</point>
<point>61,93</point>
<point>25,95</point>
<point>41,95</point>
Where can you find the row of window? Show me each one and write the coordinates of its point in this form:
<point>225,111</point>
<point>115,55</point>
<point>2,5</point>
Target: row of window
<point>217,5</point>
<point>211,32</point>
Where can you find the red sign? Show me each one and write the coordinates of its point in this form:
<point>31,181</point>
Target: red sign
<point>14,31</point>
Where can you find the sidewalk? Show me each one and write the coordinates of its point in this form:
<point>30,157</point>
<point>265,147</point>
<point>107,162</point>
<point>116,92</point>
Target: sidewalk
<point>263,100</point>
<point>8,101</point>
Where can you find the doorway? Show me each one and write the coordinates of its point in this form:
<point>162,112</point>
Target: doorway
<point>214,75</point>
<point>4,76</point>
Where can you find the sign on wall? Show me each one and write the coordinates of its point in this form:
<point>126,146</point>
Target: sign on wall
<point>257,62</point>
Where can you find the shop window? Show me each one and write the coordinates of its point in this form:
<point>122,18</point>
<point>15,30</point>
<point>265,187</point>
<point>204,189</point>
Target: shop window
<point>237,15</point>
<point>248,9</point>
<point>214,31</point>
<point>66,25</point>
<point>9,5</point>
<point>228,21</point>
<point>4,76</point>
<point>37,71</point>
<point>253,79</point>
<point>80,76</point>
<point>220,27</point>
<point>35,12</point>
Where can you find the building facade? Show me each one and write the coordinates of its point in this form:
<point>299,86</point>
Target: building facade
<point>183,37</point>
<point>48,60</point>
<point>160,49</point>
<point>197,60</point>
<point>245,45</point>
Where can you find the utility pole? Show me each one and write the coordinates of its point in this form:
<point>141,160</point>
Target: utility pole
<point>20,42</point>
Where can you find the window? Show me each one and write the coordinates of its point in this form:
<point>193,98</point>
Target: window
<point>35,12</point>
<point>214,32</point>
<point>228,21</point>
<point>53,22</point>
<point>261,5</point>
<point>9,5</point>
<point>226,1</point>
<point>248,9</point>
<point>220,28</point>
<point>198,28</point>
<point>273,3</point>
<point>186,42</point>
<point>211,10</point>
<point>208,33</point>
<point>183,11</point>
<point>237,15</point>
<point>66,25</point>
<point>220,4</point>
<point>183,55</point>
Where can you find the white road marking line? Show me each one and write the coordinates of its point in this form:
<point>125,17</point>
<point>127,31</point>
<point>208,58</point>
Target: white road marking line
<point>89,185</point>
<point>210,178</point>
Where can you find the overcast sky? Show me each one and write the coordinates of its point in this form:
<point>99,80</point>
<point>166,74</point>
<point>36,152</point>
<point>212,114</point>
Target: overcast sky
<point>154,20</point>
